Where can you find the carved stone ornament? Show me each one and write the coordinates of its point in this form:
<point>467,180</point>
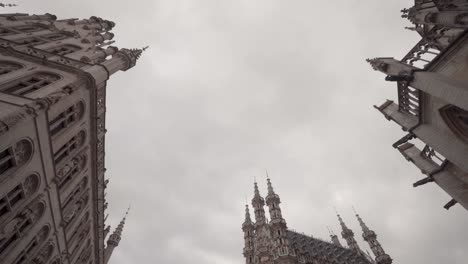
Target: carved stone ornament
<point>43,233</point>
<point>45,254</point>
<point>378,64</point>
<point>31,184</point>
<point>23,151</point>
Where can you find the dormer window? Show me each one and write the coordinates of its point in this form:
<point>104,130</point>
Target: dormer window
<point>31,83</point>
<point>64,49</point>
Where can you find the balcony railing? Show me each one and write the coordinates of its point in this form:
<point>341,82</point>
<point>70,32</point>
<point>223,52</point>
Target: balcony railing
<point>408,99</point>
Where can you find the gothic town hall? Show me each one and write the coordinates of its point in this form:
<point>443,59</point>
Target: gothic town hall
<point>271,242</point>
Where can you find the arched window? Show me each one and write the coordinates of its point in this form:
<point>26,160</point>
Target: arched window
<point>70,147</point>
<point>45,254</point>
<point>457,120</point>
<point>37,240</point>
<point>73,209</point>
<point>66,118</point>
<point>71,170</point>
<point>23,222</point>
<point>64,49</point>
<point>10,201</point>
<point>8,66</point>
<point>15,156</point>
<point>30,83</point>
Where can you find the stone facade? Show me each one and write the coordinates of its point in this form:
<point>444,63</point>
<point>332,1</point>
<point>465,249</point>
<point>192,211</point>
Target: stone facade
<point>432,86</point>
<point>53,76</point>
<point>271,242</point>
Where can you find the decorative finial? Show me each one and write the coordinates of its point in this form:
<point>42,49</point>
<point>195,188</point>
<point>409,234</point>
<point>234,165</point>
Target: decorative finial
<point>354,210</point>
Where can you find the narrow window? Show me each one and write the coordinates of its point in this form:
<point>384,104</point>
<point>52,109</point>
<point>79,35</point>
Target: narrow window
<point>31,83</point>
<point>73,144</point>
<point>23,222</point>
<point>7,67</point>
<point>64,49</point>
<point>9,202</point>
<point>6,160</point>
<point>66,119</point>
<point>15,156</point>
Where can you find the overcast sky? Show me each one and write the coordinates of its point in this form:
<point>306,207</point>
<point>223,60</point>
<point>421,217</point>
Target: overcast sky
<point>231,88</point>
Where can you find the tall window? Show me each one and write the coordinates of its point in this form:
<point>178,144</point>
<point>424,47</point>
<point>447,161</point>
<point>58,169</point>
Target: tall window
<point>73,209</point>
<point>37,240</point>
<point>22,223</point>
<point>45,254</point>
<point>15,156</point>
<point>10,201</point>
<point>70,170</point>
<point>456,119</point>
<point>31,83</point>
<point>67,118</point>
<point>71,146</point>
<point>7,67</point>
<point>64,49</point>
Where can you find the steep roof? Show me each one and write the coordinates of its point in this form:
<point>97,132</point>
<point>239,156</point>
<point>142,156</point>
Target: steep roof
<point>320,249</point>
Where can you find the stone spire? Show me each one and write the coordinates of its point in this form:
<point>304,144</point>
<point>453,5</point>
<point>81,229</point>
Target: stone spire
<point>334,238</point>
<point>258,203</point>
<point>248,229</point>
<point>114,238</point>
<point>348,235</point>
<point>370,237</point>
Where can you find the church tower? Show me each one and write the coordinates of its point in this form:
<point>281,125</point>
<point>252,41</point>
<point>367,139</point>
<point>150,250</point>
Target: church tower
<point>262,229</point>
<point>249,229</point>
<point>370,237</point>
<point>348,235</point>
<point>271,242</point>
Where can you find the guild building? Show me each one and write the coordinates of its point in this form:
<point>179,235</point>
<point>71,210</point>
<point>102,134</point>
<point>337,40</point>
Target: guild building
<point>432,88</point>
<point>271,242</point>
<point>53,76</point>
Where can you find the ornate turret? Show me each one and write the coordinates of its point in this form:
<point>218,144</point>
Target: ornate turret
<point>248,228</point>
<point>278,225</point>
<point>114,239</point>
<point>257,203</point>
<point>273,201</point>
<point>370,237</point>
<point>348,235</point>
<point>123,60</point>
